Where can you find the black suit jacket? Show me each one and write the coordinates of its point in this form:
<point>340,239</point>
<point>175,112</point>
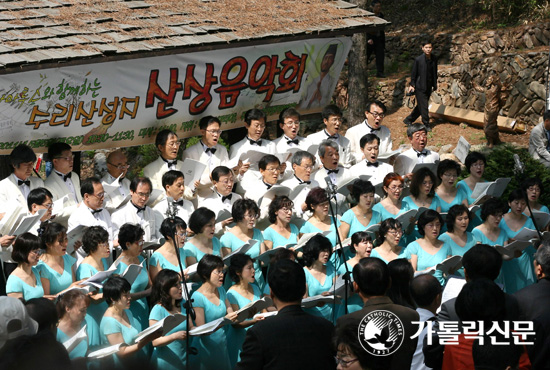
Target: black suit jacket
<point>403,356</point>
<point>534,299</point>
<point>419,75</point>
<point>292,339</point>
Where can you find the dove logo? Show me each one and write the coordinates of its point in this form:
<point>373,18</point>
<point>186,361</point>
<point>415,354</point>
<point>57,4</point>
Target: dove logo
<point>381,333</point>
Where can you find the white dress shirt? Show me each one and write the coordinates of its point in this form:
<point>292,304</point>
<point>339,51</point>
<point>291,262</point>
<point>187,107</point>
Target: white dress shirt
<point>343,173</point>
<point>418,357</point>
<point>130,214</point>
<point>405,162</point>
<point>198,153</point>
<point>292,183</point>
<point>344,148</point>
<point>244,146</point>
<point>10,190</point>
<point>355,133</point>
<point>59,188</point>
<point>117,195</point>
<point>182,211</point>
<point>377,173</point>
<point>215,203</point>
<point>159,167</point>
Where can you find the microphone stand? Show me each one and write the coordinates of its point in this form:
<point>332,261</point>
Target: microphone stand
<point>331,190</point>
<point>518,170</point>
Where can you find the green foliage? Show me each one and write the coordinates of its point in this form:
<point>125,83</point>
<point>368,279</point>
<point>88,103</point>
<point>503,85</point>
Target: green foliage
<point>139,157</point>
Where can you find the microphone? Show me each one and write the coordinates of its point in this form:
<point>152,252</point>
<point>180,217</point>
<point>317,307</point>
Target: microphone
<point>519,167</point>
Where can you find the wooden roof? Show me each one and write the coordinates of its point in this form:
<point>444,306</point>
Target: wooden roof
<point>44,33</point>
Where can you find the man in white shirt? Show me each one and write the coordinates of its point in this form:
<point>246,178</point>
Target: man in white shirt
<point>90,212</point>
<point>426,292</point>
<point>302,163</point>
<point>370,165</point>
<point>62,181</point>
<point>254,121</point>
<point>173,184</point>
<point>117,165</point>
<point>328,153</point>
<point>332,117</point>
<point>136,210</point>
<point>39,198</point>
<point>168,145</point>
<point>375,113</point>
<point>405,162</point>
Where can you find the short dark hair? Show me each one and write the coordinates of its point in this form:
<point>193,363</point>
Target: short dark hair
<point>516,194</point>
<point>372,275</point>
<point>169,178</point>
<point>276,204</point>
<point>453,213</point>
<point>93,236</point>
<point>199,218</point>
<point>314,247</point>
<point>481,300</point>
<point>376,102</point>
<point>331,110</point>
<point>236,265</point>
<point>160,292</point>
<point>283,253</point>
<point>299,156</point>
<point>129,233</point>
<point>360,187</point>
<point>472,158</point>
<point>415,127</point>
<point>267,159</point>
<point>38,196</point>
<point>368,138</point>
<point>87,185</point>
<point>426,41</point>
<point>23,245</point>
<point>220,171</point>
<point>140,180</point>
<point>56,149</point>
<point>68,300</point>
<point>447,165</point>
<point>346,336</point>
<point>287,113</point>
<point>21,154</point>
<point>207,264</point>
<point>418,179</point>
<point>532,181</point>
<point>426,217</point>
<point>482,261</point>
<point>163,136</point>
<point>287,280</point>
<point>401,274</point>
<point>253,115</point>
<point>241,206</point>
<point>51,233</point>
<point>323,145</point>
<point>207,120</point>
<point>546,115</point>
<point>169,227</point>
<point>359,237</point>
<point>42,310</point>
<point>387,225</point>
<point>425,289</point>
<point>492,207</point>
<point>114,288</point>
<point>316,196</point>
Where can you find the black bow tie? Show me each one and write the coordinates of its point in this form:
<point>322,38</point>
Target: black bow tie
<point>139,209</point>
<point>255,142</point>
<point>290,141</point>
<point>178,202</point>
<point>334,137</point>
<point>21,182</point>
<point>170,162</point>
<point>211,150</point>
<point>269,186</point>
<point>225,197</point>
<point>375,164</point>
<point>374,129</point>
<point>332,171</point>
<point>96,211</point>
<point>424,153</point>
<point>65,177</point>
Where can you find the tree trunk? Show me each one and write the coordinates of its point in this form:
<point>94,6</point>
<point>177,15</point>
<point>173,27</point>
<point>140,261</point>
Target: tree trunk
<point>357,75</point>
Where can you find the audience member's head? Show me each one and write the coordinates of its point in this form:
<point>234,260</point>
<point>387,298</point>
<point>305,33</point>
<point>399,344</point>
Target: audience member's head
<point>426,292</point>
<point>401,274</point>
<point>371,276</point>
<point>542,260</point>
<point>481,261</point>
<point>481,300</point>
<point>287,281</point>
<point>349,351</point>
<point>43,311</point>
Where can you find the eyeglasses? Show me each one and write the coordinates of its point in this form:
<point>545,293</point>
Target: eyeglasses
<point>27,165</point>
<point>395,232</point>
<point>420,136</point>
<point>336,120</point>
<point>47,206</point>
<point>104,245</point>
<point>344,363</point>
<point>292,123</point>
<point>534,189</point>
<point>173,144</point>
<point>395,188</point>
<point>214,132</point>
<point>250,216</point>
<point>307,168</point>
<point>68,159</point>
<point>433,226</point>
<point>218,272</point>
<point>143,195</point>
<point>285,210</point>
<point>426,183</point>
<point>38,252</point>
<point>276,169</point>
<point>141,242</point>
<point>377,115</point>
<point>182,234</point>
<point>120,166</point>
<point>99,195</point>
<point>450,175</point>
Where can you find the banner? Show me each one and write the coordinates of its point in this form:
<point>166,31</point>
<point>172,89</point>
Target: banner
<point>125,103</point>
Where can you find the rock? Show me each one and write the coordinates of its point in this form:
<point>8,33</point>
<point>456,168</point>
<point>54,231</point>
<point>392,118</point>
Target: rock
<point>450,156</point>
<point>540,36</point>
<point>520,61</point>
<point>527,41</point>
<point>100,160</point>
<point>538,107</point>
<point>524,108</point>
<point>527,74</point>
<point>498,41</point>
<point>445,149</point>
<point>516,106</point>
<point>523,89</point>
<point>538,89</point>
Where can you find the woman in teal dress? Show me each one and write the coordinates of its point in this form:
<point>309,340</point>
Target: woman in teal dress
<point>245,212</point>
<point>361,246</point>
<point>447,192</point>
<point>95,243</point>
<point>457,237</point>
<point>57,268</point>
<point>130,239</point>
<point>518,272</point>
<point>166,297</point>
<point>391,206</point>
<point>317,203</point>
<point>202,223</point>
<point>118,325</point>
<point>281,232</point>
<point>243,292</point>
<point>24,282</point>
<point>389,241</point>
<point>71,310</point>
<point>429,250</point>
<point>165,257</point>
<point>211,303</point>
<point>475,165</point>
<point>361,216</point>
<point>533,188</point>
<point>320,273</point>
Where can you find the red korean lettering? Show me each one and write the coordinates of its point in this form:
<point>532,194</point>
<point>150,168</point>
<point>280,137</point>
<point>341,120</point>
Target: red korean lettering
<point>124,110</point>
<point>231,87</point>
<point>292,72</point>
<point>154,91</point>
<point>200,102</point>
<point>266,81</point>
